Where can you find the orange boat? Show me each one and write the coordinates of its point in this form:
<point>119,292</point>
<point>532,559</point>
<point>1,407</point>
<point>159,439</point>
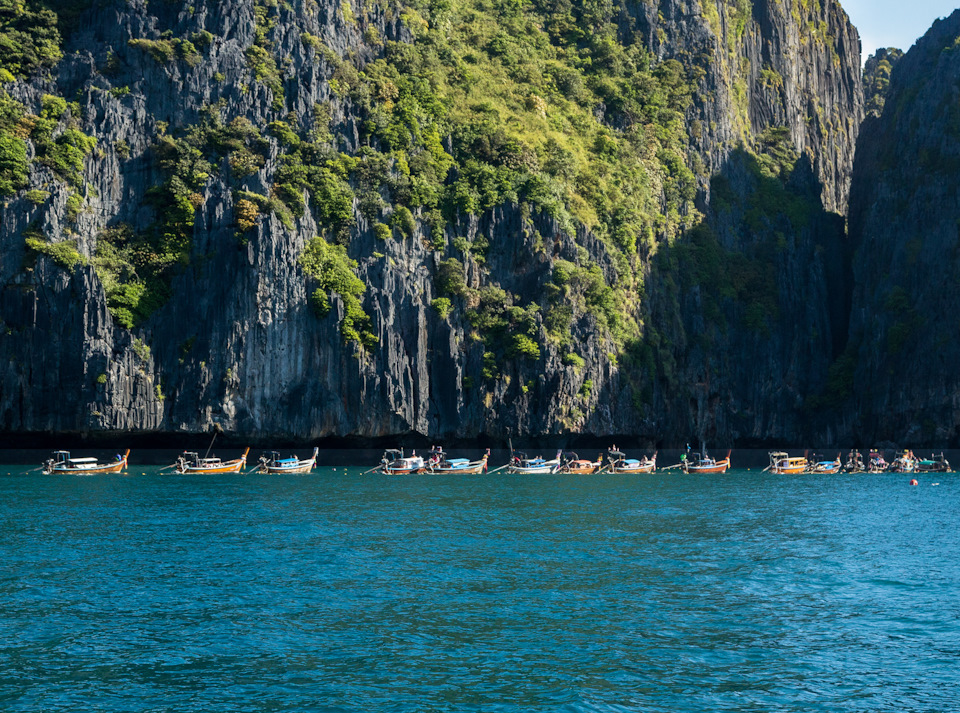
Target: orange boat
<point>63,464</point>
<point>190,462</point>
<point>783,464</point>
<point>705,464</point>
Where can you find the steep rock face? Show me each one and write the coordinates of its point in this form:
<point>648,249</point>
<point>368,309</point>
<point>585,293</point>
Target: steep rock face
<point>764,64</point>
<point>903,221</point>
<point>759,305</point>
<point>236,343</point>
<point>748,313</point>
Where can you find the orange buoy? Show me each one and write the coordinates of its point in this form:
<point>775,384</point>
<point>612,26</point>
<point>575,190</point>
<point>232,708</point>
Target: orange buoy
<point>914,482</point>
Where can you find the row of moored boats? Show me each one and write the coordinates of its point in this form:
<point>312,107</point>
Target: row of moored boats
<point>395,462</point>
<point>187,462</point>
<point>902,462</point>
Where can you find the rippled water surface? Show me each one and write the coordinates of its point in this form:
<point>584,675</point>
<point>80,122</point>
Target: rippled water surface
<point>338,591</point>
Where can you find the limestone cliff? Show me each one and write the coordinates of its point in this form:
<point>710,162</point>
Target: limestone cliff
<point>903,224</point>
<point>161,288</point>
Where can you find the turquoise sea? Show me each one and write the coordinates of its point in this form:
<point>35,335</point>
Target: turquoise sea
<point>337,591</point>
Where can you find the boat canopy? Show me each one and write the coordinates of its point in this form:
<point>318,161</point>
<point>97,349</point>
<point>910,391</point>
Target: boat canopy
<point>83,460</point>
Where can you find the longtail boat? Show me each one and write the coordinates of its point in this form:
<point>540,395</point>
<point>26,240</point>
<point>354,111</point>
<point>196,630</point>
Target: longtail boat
<point>825,466</point>
<point>63,464</point>
<point>438,462</point>
<point>784,464</point>
<point>854,462</point>
<point>521,465</point>
<point>877,463</point>
<point>272,463</point>
<point>570,462</point>
<point>705,464</point>
<point>934,464</point>
<point>393,462</point>
<point>618,462</point>
<point>904,463</point>
<point>191,462</point>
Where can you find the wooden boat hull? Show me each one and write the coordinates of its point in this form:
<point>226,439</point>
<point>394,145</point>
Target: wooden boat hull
<point>585,468</point>
<point>116,467</point>
<point>649,468</point>
<point>720,466</point>
<point>935,468</point>
<point>782,464</point>
<point>230,466</point>
<point>531,470</point>
<point>476,467</point>
<point>303,466</point>
<point>828,470</point>
<point>404,466</point>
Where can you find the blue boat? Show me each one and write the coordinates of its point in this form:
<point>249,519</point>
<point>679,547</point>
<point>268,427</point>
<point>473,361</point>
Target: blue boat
<point>272,463</point>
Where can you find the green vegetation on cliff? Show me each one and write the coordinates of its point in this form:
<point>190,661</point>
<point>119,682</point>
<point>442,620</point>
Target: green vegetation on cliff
<point>30,42</point>
<point>555,107</point>
<point>517,89</point>
<point>29,38</point>
<point>334,272</point>
<point>876,78</point>
<point>546,161</point>
<point>14,167</point>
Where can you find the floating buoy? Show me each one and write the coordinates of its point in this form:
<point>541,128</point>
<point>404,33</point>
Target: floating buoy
<point>914,482</point>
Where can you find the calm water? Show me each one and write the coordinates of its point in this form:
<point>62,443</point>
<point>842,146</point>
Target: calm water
<point>340,592</point>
